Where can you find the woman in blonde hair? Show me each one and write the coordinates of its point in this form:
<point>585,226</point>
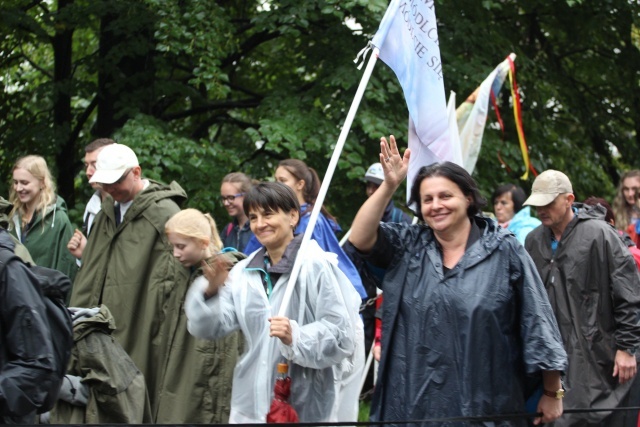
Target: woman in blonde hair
<point>199,373</point>
<point>625,206</point>
<point>39,217</point>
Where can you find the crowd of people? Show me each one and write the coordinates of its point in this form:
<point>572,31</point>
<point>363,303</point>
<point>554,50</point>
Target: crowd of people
<point>178,321</point>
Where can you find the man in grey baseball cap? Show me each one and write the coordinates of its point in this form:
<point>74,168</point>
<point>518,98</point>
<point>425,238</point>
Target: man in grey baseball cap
<point>593,284</point>
<point>552,195</point>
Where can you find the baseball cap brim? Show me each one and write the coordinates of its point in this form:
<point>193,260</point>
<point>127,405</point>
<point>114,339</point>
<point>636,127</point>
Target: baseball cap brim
<point>107,176</point>
<point>540,199</point>
<point>376,181</point>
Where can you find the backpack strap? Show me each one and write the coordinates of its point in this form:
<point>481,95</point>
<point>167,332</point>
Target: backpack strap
<point>228,230</point>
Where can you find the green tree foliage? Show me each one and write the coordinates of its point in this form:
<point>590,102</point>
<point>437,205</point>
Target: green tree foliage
<point>200,88</point>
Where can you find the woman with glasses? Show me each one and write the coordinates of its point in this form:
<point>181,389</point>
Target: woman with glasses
<point>237,233</point>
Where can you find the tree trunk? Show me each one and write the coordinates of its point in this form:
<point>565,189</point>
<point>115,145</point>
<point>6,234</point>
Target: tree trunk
<point>125,75</point>
<point>62,79</point>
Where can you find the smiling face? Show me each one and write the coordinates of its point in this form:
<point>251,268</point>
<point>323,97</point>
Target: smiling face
<point>187,250</point>
<point>27,187</point>
<point>234,208</point>
<point>287,178</point>
<point>630,187</point>
<point>442,204</point>
<point>503,207</point>
<point>273,229</point>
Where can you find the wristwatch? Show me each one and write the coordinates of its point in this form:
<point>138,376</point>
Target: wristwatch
<point>558,394</point>
<point>631,351</point>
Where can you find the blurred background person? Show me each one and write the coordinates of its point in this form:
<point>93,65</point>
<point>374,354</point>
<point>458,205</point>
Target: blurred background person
<point>507,202</point>
<point>625,207</point>
<point>94,205</point>
<point>611,219</point>
<point>237,233</point>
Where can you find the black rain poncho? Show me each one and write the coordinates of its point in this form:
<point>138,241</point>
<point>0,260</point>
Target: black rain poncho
<point>593,287</point>
<point>459,343</point>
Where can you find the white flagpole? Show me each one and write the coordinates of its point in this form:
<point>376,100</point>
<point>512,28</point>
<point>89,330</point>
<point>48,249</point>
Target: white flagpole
<point>344,238</point>
<point>327,179</point>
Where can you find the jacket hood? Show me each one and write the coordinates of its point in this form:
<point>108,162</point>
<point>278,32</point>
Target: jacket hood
<point>87,320</point>
<point>52,209</point>
<point>154,193</point>
<point>589,211</point>
<point>492,236</point>
<point>582,213</point>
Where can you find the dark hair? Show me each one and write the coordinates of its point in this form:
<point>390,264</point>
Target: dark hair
<point>517,195</point>
<point>98,143</point>
<point>301,171</point>
<point>455,174</point>
<point>593,201</point>
<point>272,197</point>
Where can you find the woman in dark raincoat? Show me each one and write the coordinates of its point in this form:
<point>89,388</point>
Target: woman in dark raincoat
<point>465,317</point>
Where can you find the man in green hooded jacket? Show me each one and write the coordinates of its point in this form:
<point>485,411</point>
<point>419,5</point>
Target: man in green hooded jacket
<point>128,265</point>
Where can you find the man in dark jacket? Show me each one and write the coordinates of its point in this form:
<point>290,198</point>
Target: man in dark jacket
<point>27,365</point>
<point>593,287</point>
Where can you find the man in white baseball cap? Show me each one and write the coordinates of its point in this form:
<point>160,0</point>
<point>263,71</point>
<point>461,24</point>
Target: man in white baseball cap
<point>592,282</point>
<point>113,161</point>
<point>128,265</point>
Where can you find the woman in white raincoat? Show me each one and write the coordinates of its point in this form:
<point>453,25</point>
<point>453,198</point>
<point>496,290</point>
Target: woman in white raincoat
<point>318,333</point>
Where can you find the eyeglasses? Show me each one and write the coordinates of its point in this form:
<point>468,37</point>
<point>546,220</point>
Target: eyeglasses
<point>229,199</point>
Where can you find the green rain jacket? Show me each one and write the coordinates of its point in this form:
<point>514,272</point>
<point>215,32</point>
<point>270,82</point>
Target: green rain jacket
<point>118,393</point>
<point>20,250</point>
<point>131,269</point>
<point>199,373</point>
<point>48,237</point>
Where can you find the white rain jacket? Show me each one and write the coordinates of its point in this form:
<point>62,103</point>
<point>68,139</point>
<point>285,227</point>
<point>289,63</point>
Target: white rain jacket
<point>326,330</point>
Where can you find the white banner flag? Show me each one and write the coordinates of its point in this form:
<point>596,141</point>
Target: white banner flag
<point>408,43</point>
<point>472,114</point>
